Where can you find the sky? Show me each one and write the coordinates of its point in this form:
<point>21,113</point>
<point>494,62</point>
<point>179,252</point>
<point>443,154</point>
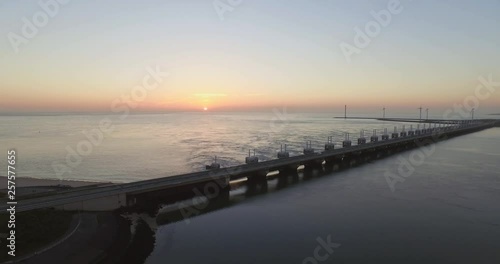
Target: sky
<point>242,55</point>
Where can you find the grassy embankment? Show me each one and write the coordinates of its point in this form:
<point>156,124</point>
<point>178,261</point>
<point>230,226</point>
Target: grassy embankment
<point>34,230</point>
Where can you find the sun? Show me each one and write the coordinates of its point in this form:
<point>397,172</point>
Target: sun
<point>205,108</point>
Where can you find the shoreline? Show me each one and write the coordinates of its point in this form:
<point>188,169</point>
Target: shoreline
<point>36,182</point>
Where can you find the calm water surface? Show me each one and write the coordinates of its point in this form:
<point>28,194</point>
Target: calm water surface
<point>150,146</point>
<point>447,211</point>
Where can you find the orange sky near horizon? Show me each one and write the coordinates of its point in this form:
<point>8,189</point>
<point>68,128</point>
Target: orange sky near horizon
<point>88,59</point>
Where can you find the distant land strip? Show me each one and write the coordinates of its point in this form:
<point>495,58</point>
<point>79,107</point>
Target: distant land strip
<point>412,120</point>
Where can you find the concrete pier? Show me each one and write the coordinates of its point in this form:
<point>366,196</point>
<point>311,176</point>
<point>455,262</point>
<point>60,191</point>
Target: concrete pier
<point>308,150</point>
<point>374,137</point>
<point>329,145</point>
<point>347,142</point>
<point>395,133</point>
<point>251,159</point>
<point>403,132</point>
<point>385,136</point>
<point>361,139</point>
<point>283,154</point>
